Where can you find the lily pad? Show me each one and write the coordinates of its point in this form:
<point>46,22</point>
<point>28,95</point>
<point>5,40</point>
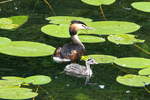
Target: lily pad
<point>9,83</point>
<point>91,39</point>
<point>133,80</point>
<point>111,27</point>
<point>27,49</point>
<point>5,21</point>
<point>145,71</point>
<point>17,93</point>
<point>125,39</point>
<point>142,6</point>
<point>103,58</point>
<point>37,80</point>
<point>61,31</point>
<point>4,41</point>
<point>133,62</point>
<point>98,2</point>
<point>66,19</point>
<point>19,20</point>
<point>13,22</point>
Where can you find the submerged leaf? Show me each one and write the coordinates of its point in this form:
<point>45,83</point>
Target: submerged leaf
<point>111,27</point>
<point>91,39</point>
<point>27,49</point>
<point>145,71</point>
<point>133,80</point>
<point>66,19</point>
<point>103,58</point>
<point>37,80</point>
<point>98,2</point>
<point>125,39</point>
<point>142,6</point>
<point>17,93</point>
<point>4,41</point>
<point>133,62</point>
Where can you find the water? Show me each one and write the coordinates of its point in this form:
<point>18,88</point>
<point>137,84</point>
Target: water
<point>65,87</point>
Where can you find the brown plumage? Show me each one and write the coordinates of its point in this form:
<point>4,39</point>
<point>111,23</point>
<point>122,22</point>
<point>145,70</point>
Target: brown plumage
<point>74,50</point>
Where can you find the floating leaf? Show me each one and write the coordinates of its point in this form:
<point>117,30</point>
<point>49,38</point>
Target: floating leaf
<point>4,41</point>
<point>9,83</point>
<point>133,62</point>
<point>19,20</point>
<point>27,49</point>
<point>13,22</point>
<point>124,39</point>
<point>37,80</point>
<point>66,19</point>
<point>5,21</point>
<point>142,6</point>
<point>103,58</point>
<point>61,31</point>
<point>133,80</point>
<point>12,78</point>
<point>98,2</point>
<point>17,93</point>
<point>145,71</point>
<point>111,27</point>
<point>91,39</point>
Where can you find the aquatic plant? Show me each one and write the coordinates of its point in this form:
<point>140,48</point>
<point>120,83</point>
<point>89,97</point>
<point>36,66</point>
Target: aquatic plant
<point>12,87</point>
<point>104,31</point>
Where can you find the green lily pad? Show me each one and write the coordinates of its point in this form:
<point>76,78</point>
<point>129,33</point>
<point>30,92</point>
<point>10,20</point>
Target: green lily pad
<point>17,93</point>
<point>142,6</point>
<point>66,19</point>
<point>5,21</point>
<point>4,41</point>
<point>125,39</point>
<point>37,80</point>
<point>103,58</point>
<point>133,80</point>
<point>19,20</point>
<point>133,62</point>
<point>98,2</point>
<point>27,49</point>
<point>61,31</point>
<point>12,78</point>
<point>13,22</point>
<point>111,27</point>
<point>9,83</point>
<point>91,39</point>
<point>145,71</point>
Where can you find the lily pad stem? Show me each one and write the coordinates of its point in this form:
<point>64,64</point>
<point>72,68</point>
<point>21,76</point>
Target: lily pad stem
<point>50,7</point>
<point>102,12</point>
<point>36,91</point>
<point>146,89</point>
<point>143,50</point>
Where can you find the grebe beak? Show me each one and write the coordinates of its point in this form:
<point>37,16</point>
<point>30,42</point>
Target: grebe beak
<point>88,28</point>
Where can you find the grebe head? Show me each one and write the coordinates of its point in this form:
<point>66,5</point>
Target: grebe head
<point>77,25</point>
<point>91,61</point>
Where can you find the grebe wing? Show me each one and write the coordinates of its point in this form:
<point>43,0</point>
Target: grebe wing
<point>71,50</point>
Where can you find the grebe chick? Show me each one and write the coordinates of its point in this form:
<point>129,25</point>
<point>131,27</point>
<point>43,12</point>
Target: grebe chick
<point>74,50</point>
<point>77,70</point>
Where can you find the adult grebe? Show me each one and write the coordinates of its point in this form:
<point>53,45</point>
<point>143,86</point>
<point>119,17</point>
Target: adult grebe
<point>77,70</point>
<point>74,50</point>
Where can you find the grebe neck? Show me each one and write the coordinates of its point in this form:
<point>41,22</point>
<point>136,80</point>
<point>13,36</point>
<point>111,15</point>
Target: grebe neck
<point>76,40</point>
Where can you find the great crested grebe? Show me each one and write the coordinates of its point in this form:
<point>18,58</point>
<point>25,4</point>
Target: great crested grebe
<point>74,50</point>
<point>77,70</point>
